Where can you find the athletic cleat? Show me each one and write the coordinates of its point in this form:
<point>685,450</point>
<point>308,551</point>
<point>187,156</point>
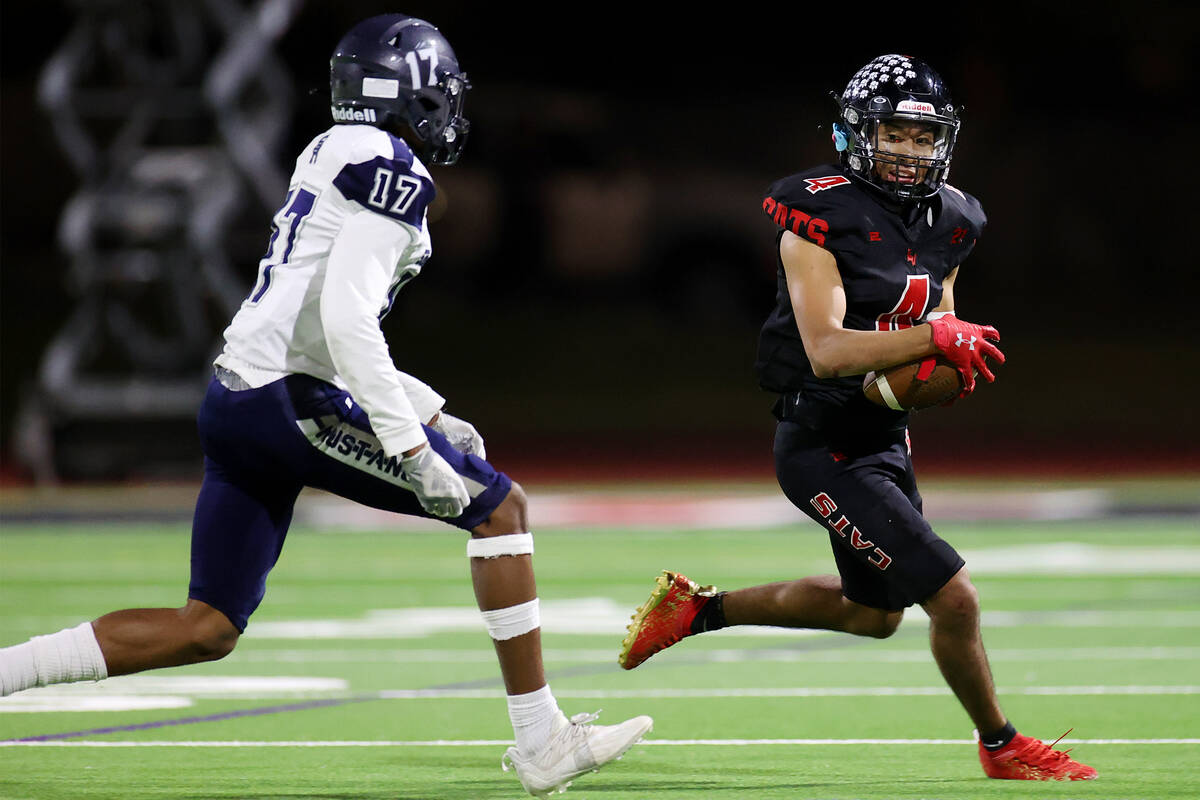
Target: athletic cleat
<point>664,619</point>
<point>1028,759</point>
<point>574,748</point>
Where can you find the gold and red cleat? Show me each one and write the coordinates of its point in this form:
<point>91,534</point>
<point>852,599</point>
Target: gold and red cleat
<point>663,619</point>
<point>1028,759</point>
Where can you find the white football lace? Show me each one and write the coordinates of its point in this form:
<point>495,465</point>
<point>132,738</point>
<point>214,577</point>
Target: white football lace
<point>584,717</point>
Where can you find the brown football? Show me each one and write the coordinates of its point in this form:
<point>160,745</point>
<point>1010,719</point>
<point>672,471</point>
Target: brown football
<point>913,386</point>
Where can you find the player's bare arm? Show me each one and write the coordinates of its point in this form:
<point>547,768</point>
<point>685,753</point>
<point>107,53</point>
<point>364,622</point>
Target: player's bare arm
<point>819,301</point>
<point>947,304</point>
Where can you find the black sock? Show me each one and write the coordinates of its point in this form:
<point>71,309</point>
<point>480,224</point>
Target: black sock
<point>998,739</point>
<point>711,616</point>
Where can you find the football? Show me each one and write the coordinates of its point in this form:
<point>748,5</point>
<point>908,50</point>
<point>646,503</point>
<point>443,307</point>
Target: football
<point>913,386</point>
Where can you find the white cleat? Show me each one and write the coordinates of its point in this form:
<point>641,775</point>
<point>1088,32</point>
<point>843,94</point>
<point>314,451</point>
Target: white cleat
<point>574,748</point>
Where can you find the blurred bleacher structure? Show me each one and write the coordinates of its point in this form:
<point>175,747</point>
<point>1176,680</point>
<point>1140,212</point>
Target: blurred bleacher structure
<point>601,266</point>
<point>164,115</point>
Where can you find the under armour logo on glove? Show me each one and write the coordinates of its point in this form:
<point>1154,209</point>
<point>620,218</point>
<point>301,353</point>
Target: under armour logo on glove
<point>956,340</point>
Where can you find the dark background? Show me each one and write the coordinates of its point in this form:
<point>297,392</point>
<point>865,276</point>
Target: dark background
<point>602,265</point>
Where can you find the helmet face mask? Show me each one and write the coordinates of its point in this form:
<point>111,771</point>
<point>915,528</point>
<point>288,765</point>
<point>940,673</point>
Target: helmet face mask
<point>913,155</point>
<point>898,128</point>
<point>435,117</point>
<point>400,74</point>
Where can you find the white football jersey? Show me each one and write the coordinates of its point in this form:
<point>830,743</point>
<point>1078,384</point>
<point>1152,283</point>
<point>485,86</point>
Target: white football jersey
<point>350,234</point>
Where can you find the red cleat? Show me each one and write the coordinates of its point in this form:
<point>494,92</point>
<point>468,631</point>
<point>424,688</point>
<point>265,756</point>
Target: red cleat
<point>1027,759</point>
<point>664,619</point>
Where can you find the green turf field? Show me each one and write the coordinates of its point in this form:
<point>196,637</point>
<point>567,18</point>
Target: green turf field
<point>367,673</point>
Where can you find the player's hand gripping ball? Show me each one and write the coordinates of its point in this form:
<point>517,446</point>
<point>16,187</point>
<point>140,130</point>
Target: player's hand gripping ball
<point>963,352</point>
<point>968,347</point>
<point>913,386</point>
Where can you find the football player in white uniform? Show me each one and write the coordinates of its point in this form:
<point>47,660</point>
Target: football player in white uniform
<point>305,394</point>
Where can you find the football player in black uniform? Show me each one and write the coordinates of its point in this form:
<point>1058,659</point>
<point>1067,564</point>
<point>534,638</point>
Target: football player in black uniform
<point>869,251</point>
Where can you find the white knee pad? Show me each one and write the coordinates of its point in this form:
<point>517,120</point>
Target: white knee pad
<point>505,623</point>
<point>514,544</point>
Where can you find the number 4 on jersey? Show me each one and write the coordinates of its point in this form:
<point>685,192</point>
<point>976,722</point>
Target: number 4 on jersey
<point>821,184</point>
<point>910,308</point>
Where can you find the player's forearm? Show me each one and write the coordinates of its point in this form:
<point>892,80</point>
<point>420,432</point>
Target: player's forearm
<point>392,416</point>
<point>357,280</point>
<point>425,401</point>
<point>363,363</point>
<point>839,352</point>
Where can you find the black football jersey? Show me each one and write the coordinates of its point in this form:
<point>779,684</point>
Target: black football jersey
<point>892,263</point>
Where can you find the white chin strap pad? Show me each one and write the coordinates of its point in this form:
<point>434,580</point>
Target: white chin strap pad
<point>514,544</point>
<point>505,623</point>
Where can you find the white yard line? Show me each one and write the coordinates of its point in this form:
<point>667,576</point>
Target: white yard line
<point>787,691</point>
<point>129,693</point>
<point>838,656</point>
<point>504,742</point>
<point>604,616</point>
<point>659,510</point>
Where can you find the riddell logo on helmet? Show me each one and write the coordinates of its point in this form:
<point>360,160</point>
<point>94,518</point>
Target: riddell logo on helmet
<point>353,114</point>
<point>914,105</point>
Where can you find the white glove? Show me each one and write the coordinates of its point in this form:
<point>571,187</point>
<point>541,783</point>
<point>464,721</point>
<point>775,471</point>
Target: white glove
<point>460,433</point>
<point>436,484</point>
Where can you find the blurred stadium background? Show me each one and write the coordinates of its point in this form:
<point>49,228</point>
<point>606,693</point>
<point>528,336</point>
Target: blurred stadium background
<point>601,265</point>
<point>601,268</point>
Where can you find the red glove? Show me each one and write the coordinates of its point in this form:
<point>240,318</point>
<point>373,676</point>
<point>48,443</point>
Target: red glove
<point>966,345</point>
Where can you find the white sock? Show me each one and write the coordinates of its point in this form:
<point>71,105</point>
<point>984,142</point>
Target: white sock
<point>70,655</point>
<point>533,718</point>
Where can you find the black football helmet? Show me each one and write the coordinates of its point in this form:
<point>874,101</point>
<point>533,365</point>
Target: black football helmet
<point>896,88</point>
<point>392,71</point>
